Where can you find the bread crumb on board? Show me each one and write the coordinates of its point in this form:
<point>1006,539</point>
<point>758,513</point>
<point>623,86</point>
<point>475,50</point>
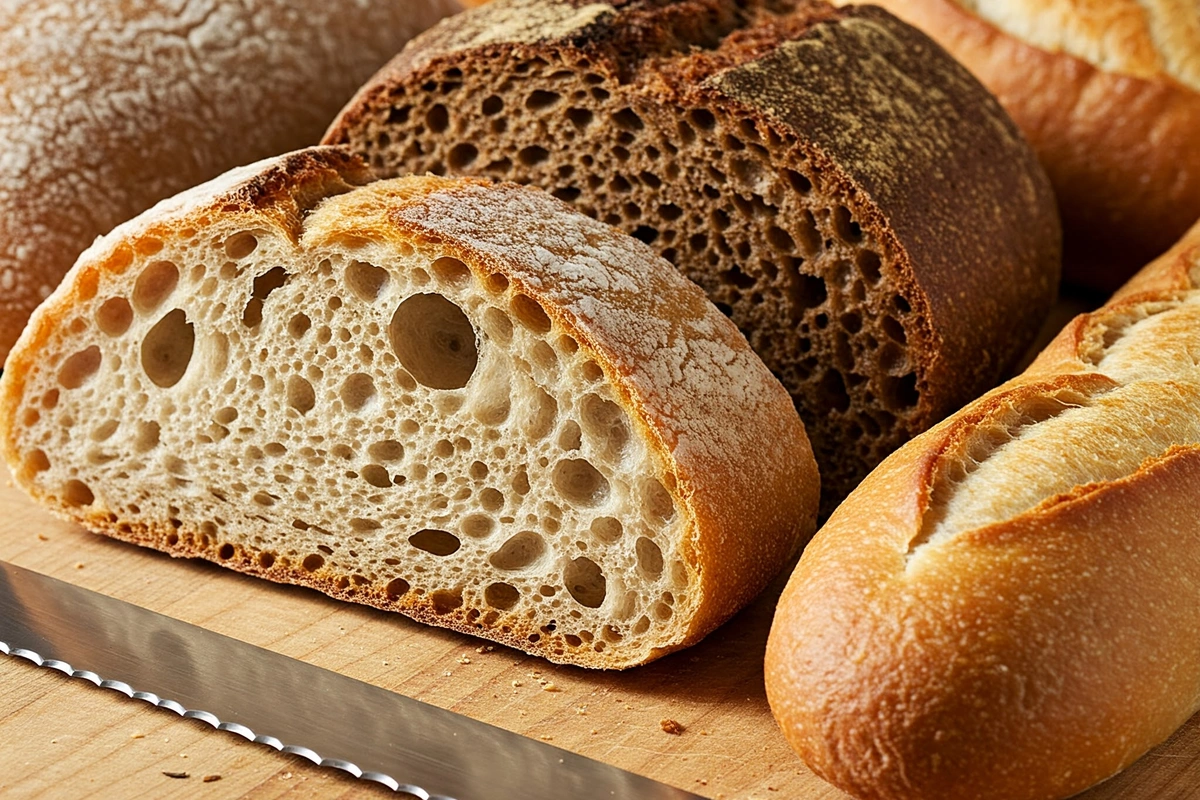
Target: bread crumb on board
<point>672,727</point>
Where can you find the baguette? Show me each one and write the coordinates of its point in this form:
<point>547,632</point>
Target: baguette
<point>464,402</point>
<point>1006,607</point>
<point>856,202</point>
<point>108,107</point>
<point>1108,93</point>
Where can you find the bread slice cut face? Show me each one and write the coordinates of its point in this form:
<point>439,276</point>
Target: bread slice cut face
<point>464,402</point>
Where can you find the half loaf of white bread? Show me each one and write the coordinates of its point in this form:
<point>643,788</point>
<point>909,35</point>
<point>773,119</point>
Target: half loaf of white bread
<point>1007,607</point>
<point>465,402</point>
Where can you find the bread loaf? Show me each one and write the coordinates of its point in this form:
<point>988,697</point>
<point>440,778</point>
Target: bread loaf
<point>108,107</point>
<point>1108,93</point>
<point>466,403</point>
<point>850,196</point>
<point>1006,607</point>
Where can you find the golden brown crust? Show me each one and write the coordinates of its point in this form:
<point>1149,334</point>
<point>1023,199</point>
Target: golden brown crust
<point>1119,146</point>
<point>913,150</point>
<point>940,638</point>
<point>723,431</point>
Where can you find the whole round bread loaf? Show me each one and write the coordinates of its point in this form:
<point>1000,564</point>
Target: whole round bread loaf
<point>107,107</point>
<point>465,402</point>
<point>858,204</point>
<point>1006,607</point>
<point>1108,94</point>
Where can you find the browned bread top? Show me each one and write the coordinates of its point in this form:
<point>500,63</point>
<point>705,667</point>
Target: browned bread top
<point>462,401</point>
<point>1108,93</point>
<point>1006,607</point>
<point>108,107</point>
<point>859,205</point>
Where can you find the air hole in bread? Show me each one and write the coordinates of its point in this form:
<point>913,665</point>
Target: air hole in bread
<point>445,601</point>
<point>241,245</point>
<point>377,476</point>
<point>452,272</point>
<point>114,316</point>
<point>105,430</point>
<point>570,436</point>
<point>435,542</point>
<point>492,105</point>
<point>156,283</point>
<point>585,582</point>
<point>434,341</point>
<point>300,394</point>
<point>397,588</point>
<point>366,281</point>
<point>264,284</point>
<point>605,422</point>
<point>78,368</point>
<point>477,526</point>
<point>529,313</point>
<point>36,461</point>
<point>580,483</point>
<point>502,596</point>
<point>649,557</point>
<point>900,393</point>
<point>76,493</point>
<point>167,349</point>
<point>298,325</point>
<point>386,450</point>
<point>658,505</point>
<point>462,155</point>
<point>358,391</point>
<point>519,552</point>
<point>607,530</point>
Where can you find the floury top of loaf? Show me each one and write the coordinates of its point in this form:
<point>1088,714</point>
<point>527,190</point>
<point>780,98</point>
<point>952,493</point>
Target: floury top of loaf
<point>461,401</point>
<point>848,194</point>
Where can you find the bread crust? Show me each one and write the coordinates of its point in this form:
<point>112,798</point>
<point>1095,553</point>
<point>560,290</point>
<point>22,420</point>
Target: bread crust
<point>745,477</point>
<point>1116,138</point>
<point>106,108</point>
<point>978,275</point>
<point>1045,644</point>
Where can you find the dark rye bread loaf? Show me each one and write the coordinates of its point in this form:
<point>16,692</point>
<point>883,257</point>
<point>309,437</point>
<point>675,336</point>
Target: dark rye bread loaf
<point>856,202</point>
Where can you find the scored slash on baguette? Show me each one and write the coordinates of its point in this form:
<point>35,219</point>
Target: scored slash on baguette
<point>460,401</point>
<point>1006,607</point>
<point>851,196</point>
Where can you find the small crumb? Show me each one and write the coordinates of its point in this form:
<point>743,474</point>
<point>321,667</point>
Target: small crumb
<point>385,663</point>
<point>595,731</point>
<point>287,776</point>
<point>54,741</point>
<point>79,565</point>
<point>43,537</point>
<point>464,659</point>
<point>447,674</point>
<point>211,778</point>
<point>175,774</point>
<point>704,733</point>
<point>581,710</point>
<point>672,727</point>
<point>137,736</point>
<point>487,648</point>
<point>702,782</point>
<point>183,755</point>
<point>517,684</point>
<point>520,712</point>
<point>546,738</point>
<point>550,687</point>
<point>772,789</point>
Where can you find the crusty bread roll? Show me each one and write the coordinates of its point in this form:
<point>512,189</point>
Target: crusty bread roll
<point>108,107</point>
<point>465,402</point>
<point>1108,93</point>
<point>859,204</point>
<point>1006,607</point>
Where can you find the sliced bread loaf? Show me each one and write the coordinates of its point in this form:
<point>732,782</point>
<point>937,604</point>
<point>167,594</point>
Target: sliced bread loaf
<point>858,204</point>
<point>464,402</point>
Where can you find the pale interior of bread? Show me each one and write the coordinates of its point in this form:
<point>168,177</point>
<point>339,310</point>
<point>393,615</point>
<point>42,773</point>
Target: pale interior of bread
<point>379,420</point>
<point>735,206</point>
<point>1032,450</point>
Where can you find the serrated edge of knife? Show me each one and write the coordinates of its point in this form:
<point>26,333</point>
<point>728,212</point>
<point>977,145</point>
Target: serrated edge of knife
<point>214,721</point>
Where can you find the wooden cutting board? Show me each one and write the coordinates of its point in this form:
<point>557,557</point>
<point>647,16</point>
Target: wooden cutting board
<point>64,737</point>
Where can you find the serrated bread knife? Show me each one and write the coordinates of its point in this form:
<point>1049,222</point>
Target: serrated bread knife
<point>295,707</point>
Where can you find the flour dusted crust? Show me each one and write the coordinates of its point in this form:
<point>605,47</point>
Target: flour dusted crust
<point>107,107</point>
<point>1006,607</point>
<point>461,401</point>
<point>855,201</point>
<point>1108,94</point>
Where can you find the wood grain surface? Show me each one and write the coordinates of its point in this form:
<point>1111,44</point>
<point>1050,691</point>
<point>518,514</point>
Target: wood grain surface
<point>65,737</point>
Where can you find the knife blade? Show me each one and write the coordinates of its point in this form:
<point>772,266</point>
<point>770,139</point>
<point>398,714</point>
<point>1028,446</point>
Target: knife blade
<point>329,718</point>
